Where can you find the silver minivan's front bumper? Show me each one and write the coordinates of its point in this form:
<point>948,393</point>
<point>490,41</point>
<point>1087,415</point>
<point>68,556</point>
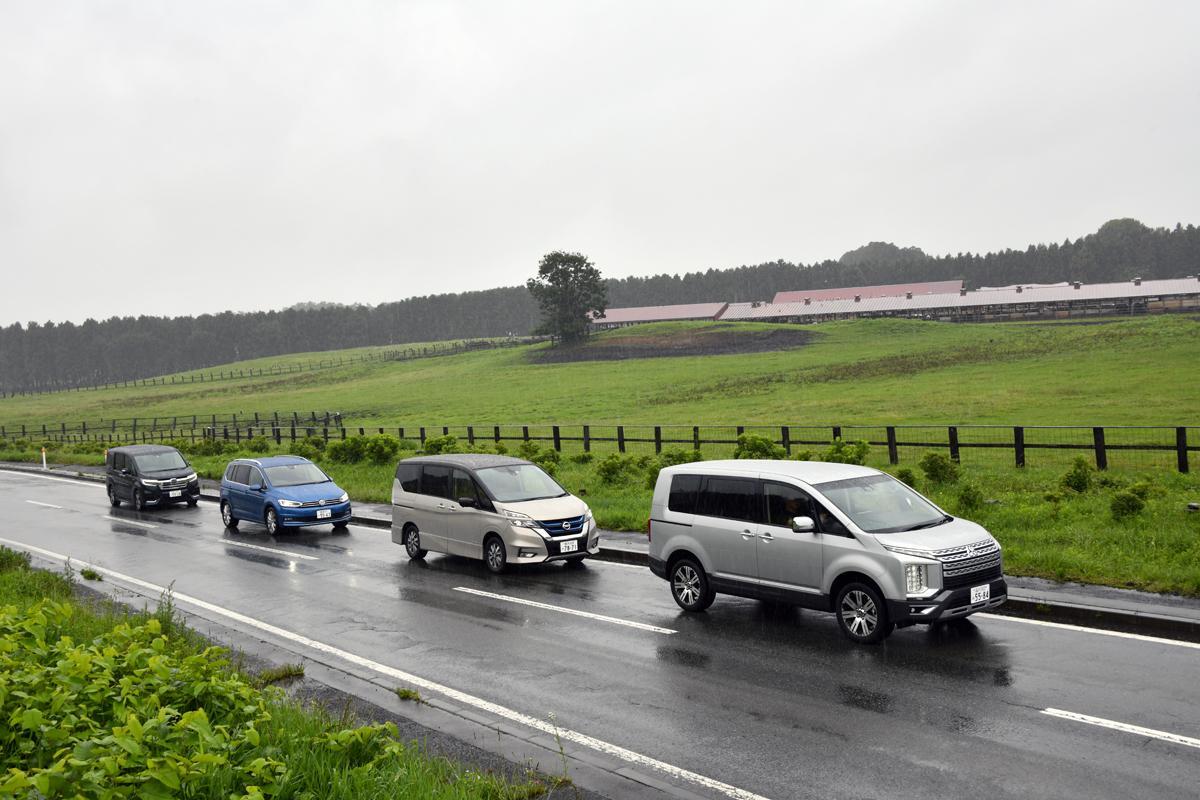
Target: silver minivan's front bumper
<point>946,605</point>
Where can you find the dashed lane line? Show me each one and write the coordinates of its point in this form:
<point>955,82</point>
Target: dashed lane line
<point>1124,727</point>
<point>43,505</point>
<point>130,521</point>
<point>541,726</point>
<point>562,610</point>
<point>1139,637</point>
<point>287,553</point>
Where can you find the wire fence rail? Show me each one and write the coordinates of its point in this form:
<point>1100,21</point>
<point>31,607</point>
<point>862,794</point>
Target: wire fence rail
<point>210,376</point>
<point>1157,447</point>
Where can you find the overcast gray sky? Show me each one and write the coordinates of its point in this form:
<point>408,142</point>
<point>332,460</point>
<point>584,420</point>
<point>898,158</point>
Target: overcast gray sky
<point>182,157</point>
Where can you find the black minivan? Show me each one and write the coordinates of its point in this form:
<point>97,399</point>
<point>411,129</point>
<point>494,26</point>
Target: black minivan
<point>150,475</point>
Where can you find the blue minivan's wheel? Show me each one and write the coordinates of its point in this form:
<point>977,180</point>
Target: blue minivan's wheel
<point>227,515</point>
<point>272,521</point>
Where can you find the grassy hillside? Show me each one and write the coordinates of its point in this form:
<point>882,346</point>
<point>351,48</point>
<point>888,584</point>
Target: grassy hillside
<point>1127,372</point>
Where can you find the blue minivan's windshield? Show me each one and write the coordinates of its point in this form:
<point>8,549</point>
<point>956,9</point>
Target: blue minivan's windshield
<point>295,475</point>
<point>157,462</point>
<point>882,504</point>
<point>517,483</point>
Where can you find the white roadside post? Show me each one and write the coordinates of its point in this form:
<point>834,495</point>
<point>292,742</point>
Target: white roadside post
<point>44,459</point>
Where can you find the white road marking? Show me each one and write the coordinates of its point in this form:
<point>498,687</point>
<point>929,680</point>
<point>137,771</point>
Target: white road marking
<point>130,521</point>
<point>1099,631</point>
<point>539,725</point>
<point>287,553</point>
<point>43,505</point>
<point>72,481</point>
<point>607,563</point>
<point>1125,727</point>
<point>616,621</point>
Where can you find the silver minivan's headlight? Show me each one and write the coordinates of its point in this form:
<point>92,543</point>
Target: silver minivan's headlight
<point>916,577</point>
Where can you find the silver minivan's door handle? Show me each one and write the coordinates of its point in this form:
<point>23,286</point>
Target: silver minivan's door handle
<point>766,537</point>
<point>747,535</point>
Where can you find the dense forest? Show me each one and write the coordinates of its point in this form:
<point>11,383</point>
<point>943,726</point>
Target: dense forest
<point>37,357</point>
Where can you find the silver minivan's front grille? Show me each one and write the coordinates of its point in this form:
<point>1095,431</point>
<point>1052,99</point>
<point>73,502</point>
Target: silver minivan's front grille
<point>972,563</point>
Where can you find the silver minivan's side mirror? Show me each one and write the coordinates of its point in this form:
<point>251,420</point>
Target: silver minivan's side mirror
<point>803,525</point>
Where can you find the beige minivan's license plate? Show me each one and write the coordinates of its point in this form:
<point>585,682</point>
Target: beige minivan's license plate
<point>568,547</point>
<point>980,593</point>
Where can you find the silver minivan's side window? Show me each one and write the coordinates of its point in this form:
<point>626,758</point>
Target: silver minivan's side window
<point>731,498</point>
<point>409,476</point>
<point>785,502</point>
<point>684,491</point>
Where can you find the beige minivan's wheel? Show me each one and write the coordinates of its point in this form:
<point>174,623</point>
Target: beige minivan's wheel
<point>494,554</point>
<point>412,543</point>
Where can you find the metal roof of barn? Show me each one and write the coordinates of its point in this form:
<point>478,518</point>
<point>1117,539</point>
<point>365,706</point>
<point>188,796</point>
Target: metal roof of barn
<point>883,290</point>
<point>661,313</point>
<point>1013,295</point>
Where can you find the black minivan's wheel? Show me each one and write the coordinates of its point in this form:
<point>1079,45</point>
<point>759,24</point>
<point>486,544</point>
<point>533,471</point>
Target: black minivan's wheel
<point>862,614</point>
<point>689,586</point>
<point>192,501</point>
<point>272,520</point>
<point>494,554</point>
<point>139,500</point>
<point>227,515</point>
<point>412,543</point>
<point>113,500</point>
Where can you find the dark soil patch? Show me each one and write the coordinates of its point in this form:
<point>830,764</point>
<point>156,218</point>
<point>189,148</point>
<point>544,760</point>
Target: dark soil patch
<point>696,342</point>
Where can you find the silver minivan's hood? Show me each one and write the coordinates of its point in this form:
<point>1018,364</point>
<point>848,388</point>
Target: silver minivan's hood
<point>549,508</point>
<point>956,533</point>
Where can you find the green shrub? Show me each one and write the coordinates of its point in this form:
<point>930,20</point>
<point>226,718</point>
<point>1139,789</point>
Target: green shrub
<point>841,452</point>
<point>1109,482</point>
<point>528,450</point>
<point>970,496</point>
<point>804,455</point>
<point>938,468</point>
<point>907,477</point>
<point>1079,478</point>
<point>347,451</point>
<point>614,468</point>
<point>409,444</point>
<point>585,457</point>
<point>1142,489</point>
<point>752,445</point>
<point>315,442</point>
<point>303,449</point>
<point>441,444</point>
<point>382,449</point>
<point>258,444</point>
<point>1053,497</point>
<point>1125,505</point>
<point>548,460</point>
<point>669,458</point>
<point>13,559</point>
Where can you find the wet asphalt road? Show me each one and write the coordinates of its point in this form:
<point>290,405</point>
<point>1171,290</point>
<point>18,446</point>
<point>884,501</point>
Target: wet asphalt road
<point>771,700</point>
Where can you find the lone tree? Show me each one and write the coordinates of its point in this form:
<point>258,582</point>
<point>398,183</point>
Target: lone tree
<point>569,290</point>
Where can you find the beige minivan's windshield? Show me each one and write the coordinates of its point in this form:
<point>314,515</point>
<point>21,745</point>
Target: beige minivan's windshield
<point>882,504</point>
<point>516,483</point>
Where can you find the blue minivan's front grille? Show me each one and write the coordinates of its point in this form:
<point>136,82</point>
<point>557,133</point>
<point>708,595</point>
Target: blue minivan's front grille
<point>563,527</point>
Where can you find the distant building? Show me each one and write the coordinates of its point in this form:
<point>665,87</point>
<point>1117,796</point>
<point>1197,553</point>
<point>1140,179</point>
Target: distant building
<point>619,317</point>
<point>886,290</point>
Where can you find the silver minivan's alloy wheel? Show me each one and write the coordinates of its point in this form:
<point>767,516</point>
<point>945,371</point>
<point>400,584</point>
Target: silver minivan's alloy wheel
<point>494,555</point>
<point>860,613</point>
<point>686,584</point>
<point>689,585</point>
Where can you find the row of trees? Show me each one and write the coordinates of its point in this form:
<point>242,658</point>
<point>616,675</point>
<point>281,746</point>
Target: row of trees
<point>48,356</point>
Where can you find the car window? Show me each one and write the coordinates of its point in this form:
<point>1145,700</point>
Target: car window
<point>241,473</point>
<point>409,476</point>
<point>462,485</point>
<point>118,461</point>
<point>435,481</point>
<point>160,462</point>
<point>730,498</point>
<point>229,471</point>
<point>684,489</point>
<point>254,478</point>
<point>828,523</point>
<point>785,502</point>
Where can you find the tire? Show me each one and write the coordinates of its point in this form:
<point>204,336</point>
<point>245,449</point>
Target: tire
<point>861,614</point>
<point>192,501</point>
<point>139,501</point>
<point>340,527</point>
<point>412,543</point>
<point>271,520</point>
<point>576,562</point>
<point>689,585</point>
<point>113,500</point>
<point>227,515</point>
<point>494,554</point>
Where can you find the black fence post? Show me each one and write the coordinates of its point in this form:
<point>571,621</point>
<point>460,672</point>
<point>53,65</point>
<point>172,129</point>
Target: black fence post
<point>952,431</point>
<point>620,438</point>
<point>1101,451</point>
<point>471,435</point>
<point>293,430</point>
<point>695,437</point>
<point>1181,449</point>
<point>587,438</point>
<point>525,432</point>
<point>496,433</point>
<point>422,436</point>
<point>837,432</point>
<point>362,431</point>
<point>893,451</point>
<point>1019,446</point>
<point>658,438</point>
<point>225,431</point>
<point>785,432</point>
<point>445,430</point>
<point>279,435</point>
<point>557,439</point>
<point>741,429</point>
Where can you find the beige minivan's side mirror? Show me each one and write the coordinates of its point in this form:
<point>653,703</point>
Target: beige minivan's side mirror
<point>803,524</point>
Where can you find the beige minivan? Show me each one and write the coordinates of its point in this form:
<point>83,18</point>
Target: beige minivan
<point>499,509</point>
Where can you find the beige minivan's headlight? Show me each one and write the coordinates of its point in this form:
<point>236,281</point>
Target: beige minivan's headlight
<point>519,519</point>
<point>916,577</point>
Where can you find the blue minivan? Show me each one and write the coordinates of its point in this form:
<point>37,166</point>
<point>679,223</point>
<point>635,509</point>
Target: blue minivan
<point>281,492</point>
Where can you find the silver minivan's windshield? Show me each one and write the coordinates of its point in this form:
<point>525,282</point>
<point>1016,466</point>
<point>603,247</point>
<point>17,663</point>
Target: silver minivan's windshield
<point>882,504</point>
<point>295,475</point>
<point>158,462</point>
<point>516,483</point>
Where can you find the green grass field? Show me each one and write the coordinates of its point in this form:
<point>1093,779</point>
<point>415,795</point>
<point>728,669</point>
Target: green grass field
<point>1131,372</point>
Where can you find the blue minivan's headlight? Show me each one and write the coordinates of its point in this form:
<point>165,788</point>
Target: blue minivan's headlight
<point>290,504</point>
<point>345,496</point>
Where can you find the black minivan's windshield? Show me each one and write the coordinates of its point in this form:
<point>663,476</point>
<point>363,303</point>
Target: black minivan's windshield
<point>157,462</point>
<point>882,504</point>
<point>517,483</point>
<point>295,475</point>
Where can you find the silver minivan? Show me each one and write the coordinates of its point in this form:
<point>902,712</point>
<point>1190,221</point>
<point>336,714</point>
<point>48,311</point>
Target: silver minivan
<point>833,537</point>
<point>496,508</point>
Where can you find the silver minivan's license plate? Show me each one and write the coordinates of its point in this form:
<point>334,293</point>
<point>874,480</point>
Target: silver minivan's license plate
<point>568,547</point>
<point>326,513</point>
<point>980,593</point>
<point>175,494</point>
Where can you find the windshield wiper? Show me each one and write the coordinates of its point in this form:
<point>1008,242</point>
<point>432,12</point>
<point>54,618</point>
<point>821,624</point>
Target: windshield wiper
<point>932,524</point>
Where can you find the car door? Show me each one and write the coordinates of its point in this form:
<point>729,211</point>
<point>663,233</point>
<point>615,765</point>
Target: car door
<point>120,480</point>
<point>788,560</point>
<point>255,501</point>
<point>237,490</point>
<point>727,526</point>
<point>465,525</point>
<point>429,507</point>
